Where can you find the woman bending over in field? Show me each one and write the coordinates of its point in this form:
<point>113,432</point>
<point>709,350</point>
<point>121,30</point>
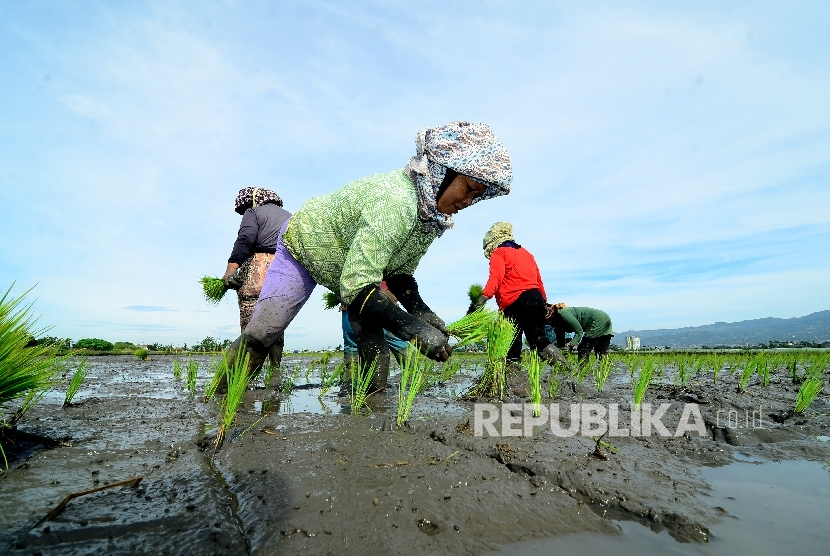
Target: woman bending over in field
<point>378,228</point>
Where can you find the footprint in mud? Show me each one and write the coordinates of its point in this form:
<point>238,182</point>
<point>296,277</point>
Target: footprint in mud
<point>426,526</point>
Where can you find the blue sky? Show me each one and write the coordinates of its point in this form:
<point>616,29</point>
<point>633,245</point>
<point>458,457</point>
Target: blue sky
<point>671,159</point>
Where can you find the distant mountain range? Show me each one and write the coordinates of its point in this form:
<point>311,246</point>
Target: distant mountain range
<point>813,328</point>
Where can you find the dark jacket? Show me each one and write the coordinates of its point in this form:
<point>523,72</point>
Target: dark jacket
<point>259,231</point>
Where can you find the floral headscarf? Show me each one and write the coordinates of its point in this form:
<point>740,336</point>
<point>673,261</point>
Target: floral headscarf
<point>255,196</point>
<point>469,149</point>
<point>495,236</point>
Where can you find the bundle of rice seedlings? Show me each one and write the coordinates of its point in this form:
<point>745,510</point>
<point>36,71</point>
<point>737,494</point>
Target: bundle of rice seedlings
<point>192,372</point>
<point>603,371</point>
<point>534,378</point>
<point>361,379</point>
<point>214,289</point>
<point>412,377</point>
<point>331,300</point>
<point>75,383</point>
<point>142,353</point>
<point>475,292</point>
<point>177,369</point>
<point>500,336</point>
<point>237,373</point>
<point>810,388</point>
<point>472,328</point>
<point>643,381</point>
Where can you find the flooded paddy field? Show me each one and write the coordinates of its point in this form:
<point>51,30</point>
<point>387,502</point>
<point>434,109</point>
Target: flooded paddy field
<point>299,474</point>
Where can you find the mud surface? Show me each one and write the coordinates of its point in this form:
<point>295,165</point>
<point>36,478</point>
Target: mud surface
<point>302,475</point>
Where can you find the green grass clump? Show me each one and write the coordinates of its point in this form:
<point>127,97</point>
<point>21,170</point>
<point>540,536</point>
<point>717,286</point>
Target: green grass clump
<point>412,379</point>
<point>142,353</point>
<point>214,289</point>
<point>75,383</point>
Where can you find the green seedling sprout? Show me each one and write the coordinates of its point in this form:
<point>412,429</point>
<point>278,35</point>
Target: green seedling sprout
<point>359,391</point>
<point>329,380</point>
<point>213,288</point>
<point>75,383</point>
<point>746,375</point>
<point>643,380</point>
<point>534,378</point>
<point>603,371</point>
<point>142,353</point>
<point>811,387</point>
<point>412,378</point>
<point>192,372</point>
<point>475,292</point>
<point>177,369</point>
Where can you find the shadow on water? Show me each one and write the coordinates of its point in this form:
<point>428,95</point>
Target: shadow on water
<point>763,506</point>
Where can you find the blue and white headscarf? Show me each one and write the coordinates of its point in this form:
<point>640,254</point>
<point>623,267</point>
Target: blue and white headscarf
<point>469,149</point>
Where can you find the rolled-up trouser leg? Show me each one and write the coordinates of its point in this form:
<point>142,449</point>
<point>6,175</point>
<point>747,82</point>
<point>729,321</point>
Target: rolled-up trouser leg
<point>372,349</point>
<point>287,287</point>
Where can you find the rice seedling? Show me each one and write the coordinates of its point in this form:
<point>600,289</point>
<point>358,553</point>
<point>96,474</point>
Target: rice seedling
<point>763,369</point>
<point>325,358</point>
<point>237,373</point>
<point>811,387</point>
<point>534,378</point>
<point>359,391</point>
<point>213,288</point>
<point>269,373</point>
<point>142,353</point>
<point>177,369</point>
<point>192,372</point>
<point>75,383</point>
<point>643,380</point>
<point>746,375</point>
<point>24,369</point>
<point>500,336</point>
<point>211,387</point>
<point>287,382</point>
<point>328,380</point>
<point>412,378</point>
<point>793,368</point>
<point>554,381</point>
<point>602,372</point>
<point>583,368</point>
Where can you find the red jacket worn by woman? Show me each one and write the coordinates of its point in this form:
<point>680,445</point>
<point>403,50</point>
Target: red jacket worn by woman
<point>512,271</point>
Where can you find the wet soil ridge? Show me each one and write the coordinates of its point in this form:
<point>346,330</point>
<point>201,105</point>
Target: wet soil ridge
<point>307,482</point>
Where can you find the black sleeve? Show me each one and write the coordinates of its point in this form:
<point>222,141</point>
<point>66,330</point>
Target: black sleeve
<point>246,239</point>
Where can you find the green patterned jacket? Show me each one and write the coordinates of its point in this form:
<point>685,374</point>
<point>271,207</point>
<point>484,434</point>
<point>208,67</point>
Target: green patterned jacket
<point>360,234</point>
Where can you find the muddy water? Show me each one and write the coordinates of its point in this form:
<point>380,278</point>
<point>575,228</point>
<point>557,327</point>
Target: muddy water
<point>300,474</point>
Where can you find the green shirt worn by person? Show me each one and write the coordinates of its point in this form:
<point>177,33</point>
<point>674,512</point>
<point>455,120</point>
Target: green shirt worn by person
<point>346,249</point>
<point>592,323</point>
